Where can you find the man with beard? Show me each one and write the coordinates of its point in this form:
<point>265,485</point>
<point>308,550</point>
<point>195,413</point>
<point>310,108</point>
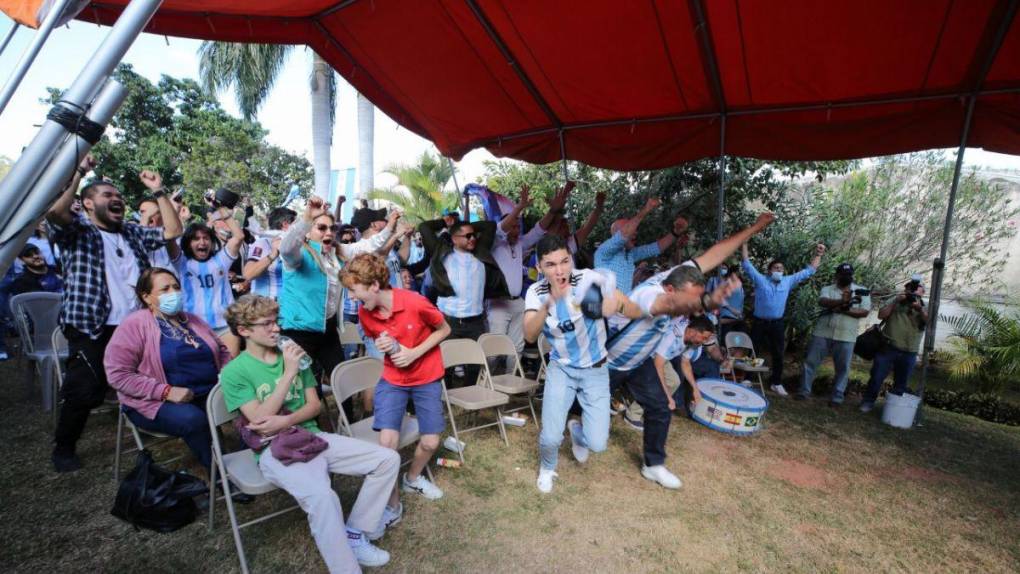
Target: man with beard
<point>843,306</point>
<point>35,274</point>
<point>102,257</point>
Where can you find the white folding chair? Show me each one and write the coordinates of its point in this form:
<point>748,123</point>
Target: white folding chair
<point>156,438</point>
<point>239,468</point>
<point>514,382</point>
<point>478,396</point>
<point>740,340</point>
<point>544,348</point>
<point>35,317</point>
<point>351,335</point>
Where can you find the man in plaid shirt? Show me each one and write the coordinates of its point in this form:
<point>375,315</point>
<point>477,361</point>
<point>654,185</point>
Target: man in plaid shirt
<point>102,257</point>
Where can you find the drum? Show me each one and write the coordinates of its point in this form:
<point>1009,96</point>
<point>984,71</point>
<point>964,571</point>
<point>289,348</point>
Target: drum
<point>729,407</point>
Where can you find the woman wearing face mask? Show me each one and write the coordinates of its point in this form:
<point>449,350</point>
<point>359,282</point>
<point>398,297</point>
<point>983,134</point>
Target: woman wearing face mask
<point>163,362</point>
<point>204,269</point>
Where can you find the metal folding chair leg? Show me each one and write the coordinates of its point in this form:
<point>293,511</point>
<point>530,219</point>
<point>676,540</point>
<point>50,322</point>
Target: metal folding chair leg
<point>502,428</point>
<point>453,424</point>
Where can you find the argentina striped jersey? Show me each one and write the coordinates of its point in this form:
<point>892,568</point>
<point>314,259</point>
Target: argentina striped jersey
<point>467,277</point>
<point>206,286</point>
<point>576,340</point>
<point>633,341</point>
<point>270,282</point>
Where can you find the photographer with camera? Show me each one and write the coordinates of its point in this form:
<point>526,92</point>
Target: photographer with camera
<point>904,319</point>
<point>844,304</point>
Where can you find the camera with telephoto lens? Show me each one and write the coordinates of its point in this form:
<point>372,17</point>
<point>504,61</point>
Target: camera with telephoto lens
<point>858,295</point>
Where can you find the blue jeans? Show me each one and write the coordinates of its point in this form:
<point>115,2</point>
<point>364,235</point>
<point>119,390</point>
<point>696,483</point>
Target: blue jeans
<point>351,350</point>
<point>900,362</point>
<point>185,420</point>
<point>841,352</point>
<point>562,384</point>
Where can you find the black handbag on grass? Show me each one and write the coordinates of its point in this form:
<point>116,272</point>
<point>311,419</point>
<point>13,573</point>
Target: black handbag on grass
<point>152,497</point>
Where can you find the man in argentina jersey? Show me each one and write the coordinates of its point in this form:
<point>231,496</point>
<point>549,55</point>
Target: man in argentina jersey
<point>264,267</point>
<point>632,343</point>
<point>204,272</point>
<point>577,363</point>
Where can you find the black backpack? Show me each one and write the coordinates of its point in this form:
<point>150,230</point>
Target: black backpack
<point>152,497</point>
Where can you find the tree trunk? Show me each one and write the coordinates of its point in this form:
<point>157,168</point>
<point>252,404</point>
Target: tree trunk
<point>322,127</point>
<point>366,147</point>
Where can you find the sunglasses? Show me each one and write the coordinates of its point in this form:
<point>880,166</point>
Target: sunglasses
<point>468,236</point>
<point>324,228</point>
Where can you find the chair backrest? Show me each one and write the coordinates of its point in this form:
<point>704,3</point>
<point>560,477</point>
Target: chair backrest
<point>36,315</point>
<point>462,352</point>
<point>500,345</point>
<point>350,335</point>
<point>58,343</point>
<point>544,347</point>
<point>216,409</point>
<point>355,375</point>
<point>739,340</point>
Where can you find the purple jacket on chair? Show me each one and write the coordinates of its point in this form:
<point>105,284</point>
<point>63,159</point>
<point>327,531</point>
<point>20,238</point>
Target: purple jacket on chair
<point>133,363</point>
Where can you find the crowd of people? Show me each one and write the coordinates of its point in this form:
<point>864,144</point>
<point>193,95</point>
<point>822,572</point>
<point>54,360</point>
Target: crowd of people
<point>163,307</point>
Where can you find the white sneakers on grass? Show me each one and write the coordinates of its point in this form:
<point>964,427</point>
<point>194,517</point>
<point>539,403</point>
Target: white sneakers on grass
<point>367,554</point>
<point>390,518</point>
<point>780,390</point>
<point>545,480</point>
<point>422,486</point>
<point>661,475</point>
<point>576,446</point>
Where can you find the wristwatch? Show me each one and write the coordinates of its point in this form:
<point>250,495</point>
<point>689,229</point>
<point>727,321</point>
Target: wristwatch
<point>158,193</point>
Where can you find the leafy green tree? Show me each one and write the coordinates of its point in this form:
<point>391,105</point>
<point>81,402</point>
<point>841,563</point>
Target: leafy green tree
<point>420,192</point>
<point>177,128</point>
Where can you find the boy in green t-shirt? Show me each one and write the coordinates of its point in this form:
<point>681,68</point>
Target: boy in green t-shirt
<point>261,382</point>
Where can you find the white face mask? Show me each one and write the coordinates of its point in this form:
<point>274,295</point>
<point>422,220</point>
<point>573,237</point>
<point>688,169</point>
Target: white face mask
<point>776,276</point>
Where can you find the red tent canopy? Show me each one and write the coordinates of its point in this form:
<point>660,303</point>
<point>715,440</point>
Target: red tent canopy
<point>647,84</point>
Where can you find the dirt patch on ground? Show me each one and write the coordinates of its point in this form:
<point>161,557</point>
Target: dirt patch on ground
<point>800,474</point>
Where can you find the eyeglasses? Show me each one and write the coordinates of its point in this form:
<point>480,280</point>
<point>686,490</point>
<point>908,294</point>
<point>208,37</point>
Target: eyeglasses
<point>324,228</point>
<point>468,236</point>
<point>267,323</point>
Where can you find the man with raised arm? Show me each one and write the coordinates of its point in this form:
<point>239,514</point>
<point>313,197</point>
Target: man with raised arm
<point>618,253</point>
<point>102,257</point>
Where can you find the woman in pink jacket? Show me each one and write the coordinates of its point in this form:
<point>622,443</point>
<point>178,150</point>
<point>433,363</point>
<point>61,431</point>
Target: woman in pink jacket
<point>163,363</point>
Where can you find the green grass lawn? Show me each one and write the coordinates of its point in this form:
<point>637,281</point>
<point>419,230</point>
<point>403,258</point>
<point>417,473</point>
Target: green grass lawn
<point>817,491</point>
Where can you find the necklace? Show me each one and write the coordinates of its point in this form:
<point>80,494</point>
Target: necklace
<point>174,332</point>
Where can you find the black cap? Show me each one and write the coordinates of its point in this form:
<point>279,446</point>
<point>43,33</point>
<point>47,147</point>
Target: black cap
<point>363,218</point>
<point>845,268</point>
<point>28,250</point>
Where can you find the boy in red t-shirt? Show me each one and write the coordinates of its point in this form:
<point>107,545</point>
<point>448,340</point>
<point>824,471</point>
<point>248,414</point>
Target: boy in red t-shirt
<point>408,329</point>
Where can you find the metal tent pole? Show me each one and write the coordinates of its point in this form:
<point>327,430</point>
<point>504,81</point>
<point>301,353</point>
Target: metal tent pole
<point>31,52</point>
<point>9,37</point>
<point>467,198</point>
<point>720,205</point>
<point>36,157</point>
<point>53,181</point>
<point>563,157</point>
<point>935,296</point>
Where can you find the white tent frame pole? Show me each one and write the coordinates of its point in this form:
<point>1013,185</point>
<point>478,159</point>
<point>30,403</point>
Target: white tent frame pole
<point>938,267</point>
<point>9,37</point>
<point>721,198</point>
<point>15,188</point>
<point>28,58</point>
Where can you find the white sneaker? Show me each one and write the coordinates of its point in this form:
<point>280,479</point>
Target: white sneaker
<point>422,486</point>
<point>580,451</point>
<point>368,554</point>
<point>545,480</point>
<point>746,383</point>
<point>390,518</point>
<point>779,390</point>
<point>662,475</point>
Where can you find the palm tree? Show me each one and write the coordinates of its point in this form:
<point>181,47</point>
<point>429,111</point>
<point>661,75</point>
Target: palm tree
<point>366,141</point>
<point>421,188</point>
<point>985,348</point>
<point>252,69</point>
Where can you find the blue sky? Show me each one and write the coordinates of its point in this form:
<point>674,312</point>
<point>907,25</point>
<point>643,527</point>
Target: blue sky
<point>286,114</point>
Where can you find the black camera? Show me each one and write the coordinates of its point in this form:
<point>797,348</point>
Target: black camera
<point>858,295</point>
<point>912,295</point>
<point>225,198</point>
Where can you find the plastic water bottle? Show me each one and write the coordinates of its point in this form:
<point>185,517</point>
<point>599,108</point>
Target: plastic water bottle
<point>396,345</point>
<point>305,362</point>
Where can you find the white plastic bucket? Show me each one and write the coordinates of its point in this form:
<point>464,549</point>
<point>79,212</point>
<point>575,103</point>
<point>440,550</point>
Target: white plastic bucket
<point>900,410</point>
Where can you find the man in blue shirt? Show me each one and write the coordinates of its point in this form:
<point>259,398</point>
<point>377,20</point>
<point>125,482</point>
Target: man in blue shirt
<point>618,253</point>
<point>770,295</point>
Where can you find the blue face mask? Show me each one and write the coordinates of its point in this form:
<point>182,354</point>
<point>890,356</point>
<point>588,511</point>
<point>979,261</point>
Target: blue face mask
<point>171,302</point>
<point>723,271</point>
<point>776,276</point>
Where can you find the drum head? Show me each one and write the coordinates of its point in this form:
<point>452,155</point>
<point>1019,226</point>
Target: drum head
<point>731,395</point>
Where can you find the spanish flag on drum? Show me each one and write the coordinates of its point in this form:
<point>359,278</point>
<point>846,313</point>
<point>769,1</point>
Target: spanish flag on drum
<point>728,407</point>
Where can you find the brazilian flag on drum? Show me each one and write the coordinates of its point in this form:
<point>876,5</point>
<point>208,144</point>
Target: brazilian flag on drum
<point>728,407</point>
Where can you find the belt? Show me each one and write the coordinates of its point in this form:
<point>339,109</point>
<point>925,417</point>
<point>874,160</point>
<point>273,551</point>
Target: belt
<point>462,320</point>
<point>598,364</point>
